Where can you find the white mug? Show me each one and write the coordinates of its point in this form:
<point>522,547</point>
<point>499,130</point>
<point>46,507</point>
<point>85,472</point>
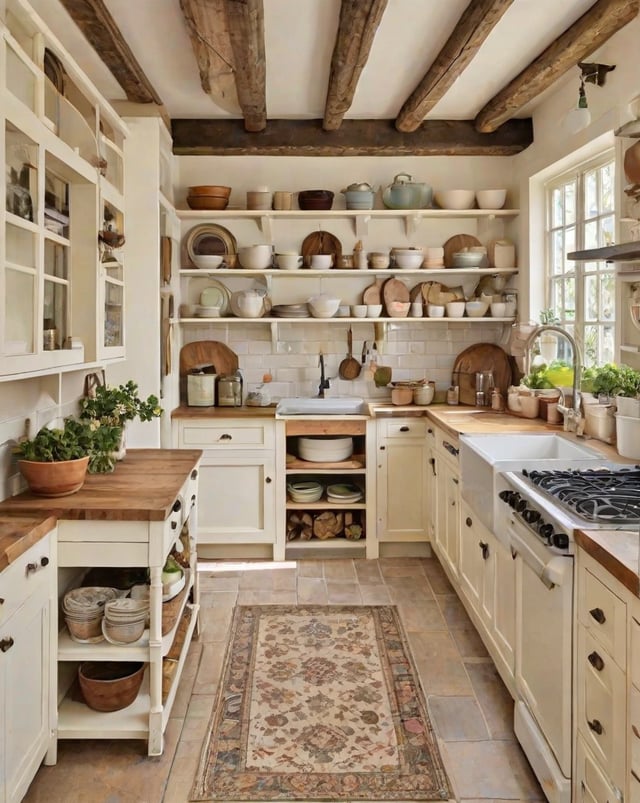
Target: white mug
<point>321,261</point>
<point>416,309</point>
<point>289,261</point>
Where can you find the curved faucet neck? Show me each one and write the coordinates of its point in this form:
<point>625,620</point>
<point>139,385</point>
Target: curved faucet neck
<point>576,358</point>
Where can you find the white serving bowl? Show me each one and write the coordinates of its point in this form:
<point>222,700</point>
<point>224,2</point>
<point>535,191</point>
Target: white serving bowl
<point>289,261</point>
<point>407,257</point>
<point>255,257</point>
<point>476,309</point>
<point>359,310</point>
<point>323,305</point>
<point>207,261</point>
<point>374,310</point>
<point>491,199</point>
<point>455,199</point>
<point>435,310</point>
<point>321,449</point>
<point>498,309</point>
<point>455,309</point>
<point>467,259</point>
<point>398,309</point>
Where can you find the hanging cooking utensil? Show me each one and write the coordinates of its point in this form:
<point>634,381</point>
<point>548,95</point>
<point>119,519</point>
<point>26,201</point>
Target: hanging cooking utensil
<point>349,368</point>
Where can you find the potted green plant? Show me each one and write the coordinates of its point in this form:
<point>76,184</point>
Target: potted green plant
<point>115,405</point>
<point>619,382</point>
<point>56,460</point>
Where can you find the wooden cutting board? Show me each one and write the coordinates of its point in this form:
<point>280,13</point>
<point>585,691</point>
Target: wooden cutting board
<point>321,242</point>
<point>372,294</point>
<point>480,357</point>
<point>395,290</point>
<point>205,352</point>
<point>436,293</point>
<point>457,243</point>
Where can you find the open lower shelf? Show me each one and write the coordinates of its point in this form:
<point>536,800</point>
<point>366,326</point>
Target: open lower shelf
<point>325,505</point>
<point>295,464</point>
<point>338,542</point>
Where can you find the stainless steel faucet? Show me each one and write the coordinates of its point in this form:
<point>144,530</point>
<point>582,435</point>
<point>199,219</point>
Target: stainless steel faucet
<point>324,383</point>
<point>571,414</point>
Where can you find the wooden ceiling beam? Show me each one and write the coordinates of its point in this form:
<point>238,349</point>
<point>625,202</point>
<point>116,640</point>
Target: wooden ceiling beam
<point>586,35</point>
<point>473,27</point>
<point>102,33</point>
<point>208,30</point>
<point>246,32</point>
<point>359,21</point>
<point>354,138</point>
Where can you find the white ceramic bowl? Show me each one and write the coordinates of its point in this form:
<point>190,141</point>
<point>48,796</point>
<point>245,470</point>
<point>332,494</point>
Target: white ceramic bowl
<point>498,309</point>
<point>455,199</point>
<point>476,309</point>
<point>289,261</point>
<point>321,261</point>
<point>408,259</point>
<point>374,310</point>
<point>398,309</point>
<point>207,261</point>
<point>467,259</point>
<point>455,309</point>
<point>255,257</point>
<point>322,449</point>
<point>323,306</point>
<point>359,310</point>
<point>491,199</point>
<point>435,311</point>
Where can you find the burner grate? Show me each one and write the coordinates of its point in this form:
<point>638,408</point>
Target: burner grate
<point>597,495</point>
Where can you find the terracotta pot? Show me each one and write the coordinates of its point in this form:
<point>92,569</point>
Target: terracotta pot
<point>54,479</point>
<point>110,685</point>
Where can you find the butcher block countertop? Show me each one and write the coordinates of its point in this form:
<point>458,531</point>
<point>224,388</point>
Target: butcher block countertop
<point>19,533</point>
<point>615,550</point>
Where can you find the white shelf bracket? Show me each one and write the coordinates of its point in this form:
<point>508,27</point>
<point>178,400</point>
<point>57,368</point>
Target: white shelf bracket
<point>362,225</point>
<point>264,224</point>
<point>411,224</point>
<point>274,335</point>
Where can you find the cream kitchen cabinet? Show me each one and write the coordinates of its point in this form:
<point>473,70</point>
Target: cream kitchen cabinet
<point>28,627</point>
<point>431,493</point>
<point>487,583</point>
<point>236,515</point>
<point>402,502</point>
<point>448,491</point>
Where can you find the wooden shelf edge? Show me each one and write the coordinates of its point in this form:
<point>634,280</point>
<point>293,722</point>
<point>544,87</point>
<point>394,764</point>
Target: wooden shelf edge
<point>623,252</point>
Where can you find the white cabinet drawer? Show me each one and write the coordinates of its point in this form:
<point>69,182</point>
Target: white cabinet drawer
<point>227,435</point>
<point>405,428</point>
<point>634,730</point>
<point>634,665</point>
<point>27,574</point>
<point>603,614</point>
<point>590,785</point>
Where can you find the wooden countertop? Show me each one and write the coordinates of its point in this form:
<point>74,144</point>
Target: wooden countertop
<point>224,412</point>
<point>143,487</point>
<point>18,533</point>
<point>617,551</point>
<point>471,420</point>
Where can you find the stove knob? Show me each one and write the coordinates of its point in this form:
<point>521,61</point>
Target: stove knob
<point>546,530</point>
<point>514,499</point>
<point>521,505</point>
<point>560,540</point>
<point>505,496</point>
<point>530,516</point>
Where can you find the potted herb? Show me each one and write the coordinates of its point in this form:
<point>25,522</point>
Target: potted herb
<point>619,382</point>
<point>56,460</point>
<point>113,406</point>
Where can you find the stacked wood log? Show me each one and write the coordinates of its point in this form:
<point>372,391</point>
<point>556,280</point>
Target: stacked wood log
<point>304,525</point>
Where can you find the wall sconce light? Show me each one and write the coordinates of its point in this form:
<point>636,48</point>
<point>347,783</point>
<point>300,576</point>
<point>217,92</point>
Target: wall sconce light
<point>580,117</point>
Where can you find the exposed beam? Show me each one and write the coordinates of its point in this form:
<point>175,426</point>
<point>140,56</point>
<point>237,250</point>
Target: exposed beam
<point>246,31</point>
<point>353,138</point>
<point>207,26</point>
<point>359,20</point>
<point>473,27</point>
<point>587,34</point>
<point>99,27</point>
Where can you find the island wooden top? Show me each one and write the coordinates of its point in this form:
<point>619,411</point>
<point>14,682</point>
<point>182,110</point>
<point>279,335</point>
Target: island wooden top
<point>143,487</point>
<point>617,551</point>
<point>18,533</point>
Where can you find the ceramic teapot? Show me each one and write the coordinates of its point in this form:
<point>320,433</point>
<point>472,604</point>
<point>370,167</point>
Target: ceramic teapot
<point>405,193</point>
<point>250,304</point>
<point>359,195</point>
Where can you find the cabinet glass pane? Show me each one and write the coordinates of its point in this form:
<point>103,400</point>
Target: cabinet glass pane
<point>55,314</point>
<point>21,175</point>
<point>20,246</point>
<point>56,204</point>
<point>21,81</point>
<point>113,334</point>
<point>18,312</point>
<point>56,260</point>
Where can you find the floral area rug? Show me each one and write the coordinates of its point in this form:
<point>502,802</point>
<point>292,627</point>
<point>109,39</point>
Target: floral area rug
<point>319,703</point>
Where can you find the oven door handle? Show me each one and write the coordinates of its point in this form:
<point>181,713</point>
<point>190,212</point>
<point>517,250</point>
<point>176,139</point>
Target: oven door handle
<point>551,573</point>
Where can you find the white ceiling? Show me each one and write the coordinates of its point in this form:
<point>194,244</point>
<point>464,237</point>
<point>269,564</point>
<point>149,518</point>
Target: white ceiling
<point>299,37</point>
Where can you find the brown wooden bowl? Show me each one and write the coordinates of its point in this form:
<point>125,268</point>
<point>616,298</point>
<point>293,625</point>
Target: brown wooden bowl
<point>207,202</point>
<point>110,685</point>
<point>210,189</point>
<point>54,479</point>
<point>315,199</point>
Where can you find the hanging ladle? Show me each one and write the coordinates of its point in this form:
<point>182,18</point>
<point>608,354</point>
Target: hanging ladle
<point>349,368</point>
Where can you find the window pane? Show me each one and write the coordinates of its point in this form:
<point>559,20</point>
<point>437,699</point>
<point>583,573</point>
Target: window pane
<point>556,208</point>
<point>557,258</point>
<point>591,298</point>
<point>18,312</point>
<point>607,296</point>
<point>606,188</point>
<point>570,203</point>
<point>591,235</point>
<point>570,245</point>
<point>591,345</point>
<point>607,230</point>
<point>590,195</point>
<point>570,299</point>
<point>606,347</point>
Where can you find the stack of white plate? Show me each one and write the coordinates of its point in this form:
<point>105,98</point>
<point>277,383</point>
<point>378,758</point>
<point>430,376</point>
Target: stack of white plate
<point>305,492</point>
<point>124,620</point>
<point>83,610</point>
<point>344,493</point>
<point>325,449</point>
<point>290,311</point>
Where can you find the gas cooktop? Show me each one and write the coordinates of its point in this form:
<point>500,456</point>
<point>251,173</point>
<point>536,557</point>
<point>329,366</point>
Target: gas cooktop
<point>600,495</point>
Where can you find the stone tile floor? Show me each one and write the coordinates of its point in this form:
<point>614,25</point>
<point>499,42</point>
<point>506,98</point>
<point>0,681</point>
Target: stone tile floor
<point>472,711</point>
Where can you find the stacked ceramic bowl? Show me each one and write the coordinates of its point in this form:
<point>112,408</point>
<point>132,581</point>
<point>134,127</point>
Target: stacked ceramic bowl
<point>124,620</point>
<point>305,492</point>
<point>344,493</point>
<point>83,610</point>
<point>324,448</point>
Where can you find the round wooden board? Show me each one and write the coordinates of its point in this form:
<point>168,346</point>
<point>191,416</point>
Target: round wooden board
<point>371,294</point>
<point>320,242</point>
<point>457,243</point>
<point>436,293</point>
<point>394,290</point>
<point>416,292</point>
<point>480,357</point>
<point>205,352</point>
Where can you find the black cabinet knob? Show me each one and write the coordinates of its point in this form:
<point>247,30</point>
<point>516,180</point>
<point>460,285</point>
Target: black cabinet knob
<point>404,428</point>
<point>596,726</point>
<point>484,548</point>
<point>30,568</point>
<point>468,521</point>
<point>598,615</point>
<point>596,661</point>
<point>267,480</point>
<point>6,644</point>
<point>176,506</point>
<point>44,561</point>
<point>194,474</point>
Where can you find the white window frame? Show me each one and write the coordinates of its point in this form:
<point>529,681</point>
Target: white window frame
<point>580,271</point>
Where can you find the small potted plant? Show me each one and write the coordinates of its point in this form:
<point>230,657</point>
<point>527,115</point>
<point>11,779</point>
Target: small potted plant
<point>113,406</point>
<point>616,382</point>
<point>56,460</point>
